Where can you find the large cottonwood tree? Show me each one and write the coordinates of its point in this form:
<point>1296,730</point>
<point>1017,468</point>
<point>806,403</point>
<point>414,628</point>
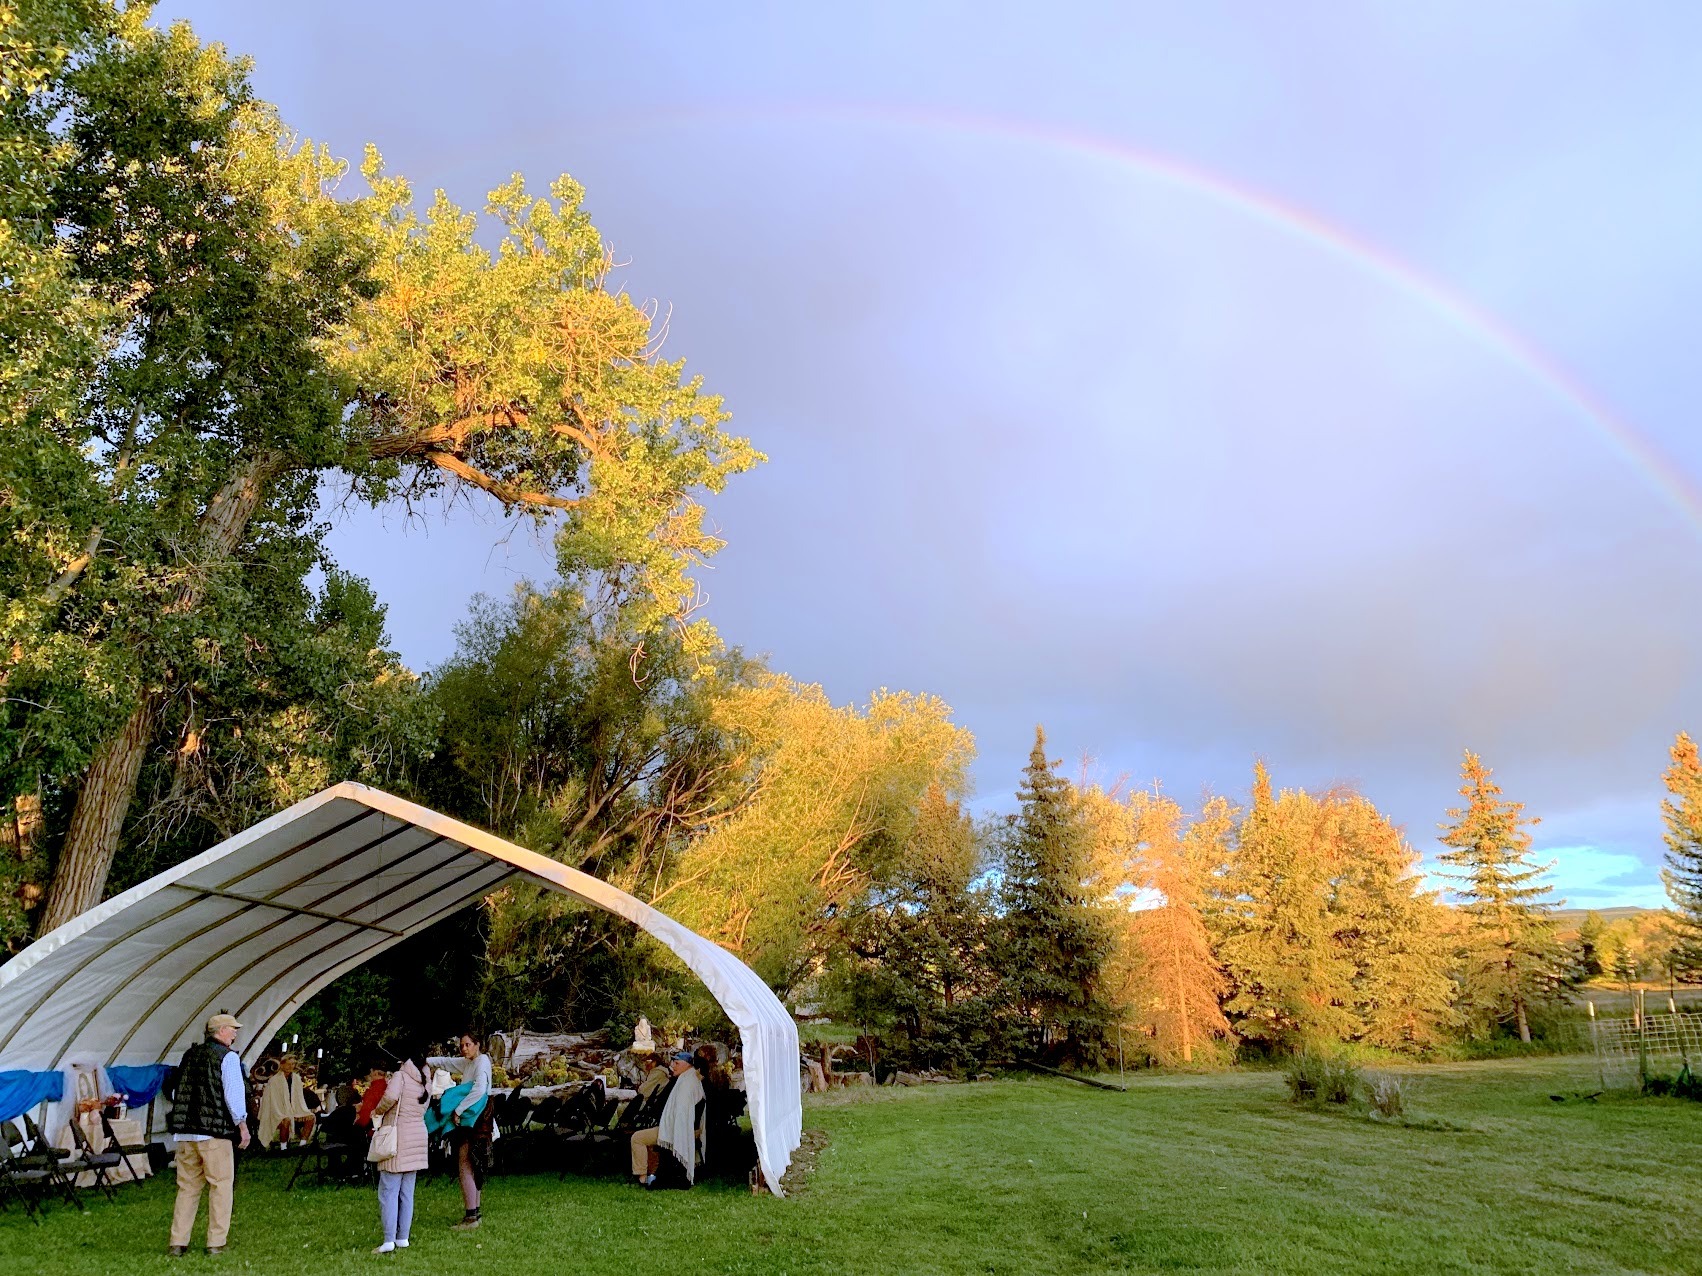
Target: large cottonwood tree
<point>269,333</point>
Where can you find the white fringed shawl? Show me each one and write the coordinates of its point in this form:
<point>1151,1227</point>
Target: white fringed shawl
<point>677,1131</point>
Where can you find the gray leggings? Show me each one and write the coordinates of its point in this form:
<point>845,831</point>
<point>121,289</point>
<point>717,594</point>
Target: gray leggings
<point>396,1204</point>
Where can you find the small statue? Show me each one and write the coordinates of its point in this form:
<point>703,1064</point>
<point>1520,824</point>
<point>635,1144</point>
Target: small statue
<point>642,1041</point>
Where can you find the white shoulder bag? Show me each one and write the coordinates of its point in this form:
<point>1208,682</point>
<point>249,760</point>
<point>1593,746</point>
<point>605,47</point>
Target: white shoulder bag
<point>383,1145</point>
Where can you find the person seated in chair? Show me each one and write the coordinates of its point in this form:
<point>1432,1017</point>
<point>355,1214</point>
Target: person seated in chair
<point>283,1106</point>
<point>734,1148</point>
<point>345,1142</point>
<point>678,1130</point>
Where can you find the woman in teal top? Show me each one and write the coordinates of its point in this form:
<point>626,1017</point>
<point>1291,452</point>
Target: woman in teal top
<point>462,1111</point>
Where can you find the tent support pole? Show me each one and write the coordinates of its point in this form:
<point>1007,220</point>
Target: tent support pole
<point>258,902</point>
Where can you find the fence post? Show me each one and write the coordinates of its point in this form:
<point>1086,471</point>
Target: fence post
<point>1642,1043</point>
<point>1596,1046</point>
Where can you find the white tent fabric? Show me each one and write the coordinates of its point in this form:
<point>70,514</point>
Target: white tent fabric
<point>259,923</point>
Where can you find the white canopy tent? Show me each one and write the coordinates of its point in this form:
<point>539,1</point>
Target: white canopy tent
<point>259,923</point>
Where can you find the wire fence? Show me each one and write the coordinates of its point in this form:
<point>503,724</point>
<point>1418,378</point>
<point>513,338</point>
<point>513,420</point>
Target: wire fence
<point>1631,1050</point>
<point>1656,1035</point>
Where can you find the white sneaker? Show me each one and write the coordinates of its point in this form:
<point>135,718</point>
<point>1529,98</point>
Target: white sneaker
<point>384,1248</point>
<point>401,1244</point>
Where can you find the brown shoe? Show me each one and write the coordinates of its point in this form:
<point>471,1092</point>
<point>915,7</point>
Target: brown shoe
<point>467,1224</point>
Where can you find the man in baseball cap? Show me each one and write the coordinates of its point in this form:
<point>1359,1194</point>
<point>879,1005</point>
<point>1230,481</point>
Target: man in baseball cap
<point>209,1116</point>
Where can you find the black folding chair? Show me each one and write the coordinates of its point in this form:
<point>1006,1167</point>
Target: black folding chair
<point>584,1128</point>
<point>36,1153</point>
<point>124,1150</point>
<point>28,1185</point>
<point>518,1114</point>
<point>87,1160</point>
<point>546,1111</point>
<point>336,1157</point>
<point>645,1112</point>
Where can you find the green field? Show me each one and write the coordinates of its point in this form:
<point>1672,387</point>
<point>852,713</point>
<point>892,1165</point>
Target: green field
<point>1182,1173</point>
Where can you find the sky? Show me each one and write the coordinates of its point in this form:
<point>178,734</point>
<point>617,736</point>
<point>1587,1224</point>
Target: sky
<point>1308,382</point>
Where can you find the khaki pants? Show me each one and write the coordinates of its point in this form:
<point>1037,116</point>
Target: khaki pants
<point>209,1163</point>
<point>643,1148</point>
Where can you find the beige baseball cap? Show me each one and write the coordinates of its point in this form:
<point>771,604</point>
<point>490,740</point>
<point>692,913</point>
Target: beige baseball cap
<point>221,1021</point>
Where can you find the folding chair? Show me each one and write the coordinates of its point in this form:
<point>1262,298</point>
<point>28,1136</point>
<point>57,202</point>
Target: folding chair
<point>45,1156</point>
<point>334,1160</point>
<point>27,1184</point>
<point>124,1150</point>
<point>90,1161</point>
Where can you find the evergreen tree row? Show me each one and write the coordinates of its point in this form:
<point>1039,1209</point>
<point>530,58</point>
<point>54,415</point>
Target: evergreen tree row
<point>1091,921</point>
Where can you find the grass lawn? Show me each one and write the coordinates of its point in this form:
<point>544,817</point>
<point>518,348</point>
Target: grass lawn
<point>1182,1173</point>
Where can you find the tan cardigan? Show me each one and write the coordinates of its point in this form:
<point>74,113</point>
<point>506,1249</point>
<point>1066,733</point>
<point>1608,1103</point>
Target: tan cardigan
<point>401,1105</point>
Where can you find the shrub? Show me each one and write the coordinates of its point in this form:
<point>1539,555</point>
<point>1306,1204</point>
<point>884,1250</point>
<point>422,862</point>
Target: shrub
<point>1686,1085</point>
<point>1316,1076</point>
<point>1386,1097</point>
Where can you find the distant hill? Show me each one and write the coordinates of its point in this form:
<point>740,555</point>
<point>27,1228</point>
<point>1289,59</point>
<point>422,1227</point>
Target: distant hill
<point>1606,914</point>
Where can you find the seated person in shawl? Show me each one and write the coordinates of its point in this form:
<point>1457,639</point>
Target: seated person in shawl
<point>283,1105</point>
<point>679,1128</point>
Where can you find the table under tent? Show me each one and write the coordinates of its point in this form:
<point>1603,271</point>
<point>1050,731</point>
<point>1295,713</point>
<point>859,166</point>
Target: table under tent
<point>261,922</point>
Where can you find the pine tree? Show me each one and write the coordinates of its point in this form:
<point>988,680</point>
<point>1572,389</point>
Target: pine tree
<point>1290,981</point>
<point>1683,871</point>
<point>1589,947</point>
<point>1626,968</point>
<point>1171,981</point>
<point>1510,950</point>
<point>1390,929</point>
<point>939,920</point>
<point>1054,944</point>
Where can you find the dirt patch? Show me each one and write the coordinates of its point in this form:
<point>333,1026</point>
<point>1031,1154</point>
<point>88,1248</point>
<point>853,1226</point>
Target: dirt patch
<point>797,1177</point>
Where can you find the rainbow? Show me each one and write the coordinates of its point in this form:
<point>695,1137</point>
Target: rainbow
<point>1536,366</point>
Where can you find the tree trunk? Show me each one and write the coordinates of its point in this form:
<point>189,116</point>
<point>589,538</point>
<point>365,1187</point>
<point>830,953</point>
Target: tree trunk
<point>103,803</point>
<point>1524,1024</point>
<point>79,878</point>
<point>1187,1030</point>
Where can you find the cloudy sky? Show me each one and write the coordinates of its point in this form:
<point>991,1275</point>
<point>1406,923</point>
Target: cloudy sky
<point>1312,382</point>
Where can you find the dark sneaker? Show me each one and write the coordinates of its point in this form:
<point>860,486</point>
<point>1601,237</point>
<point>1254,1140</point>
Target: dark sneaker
<point>178,1251</point>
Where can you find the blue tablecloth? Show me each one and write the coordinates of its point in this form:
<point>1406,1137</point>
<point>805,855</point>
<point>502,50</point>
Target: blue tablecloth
<point>137,1085</point>
<point>22,1091</point>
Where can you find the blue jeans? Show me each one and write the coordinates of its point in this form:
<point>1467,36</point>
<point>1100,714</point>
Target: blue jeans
<point>396,1204</point>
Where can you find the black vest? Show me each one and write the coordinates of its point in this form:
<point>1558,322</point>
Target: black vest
<point>198,1104</point>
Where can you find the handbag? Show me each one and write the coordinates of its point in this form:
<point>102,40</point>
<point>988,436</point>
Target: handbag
<point>383,1145</point>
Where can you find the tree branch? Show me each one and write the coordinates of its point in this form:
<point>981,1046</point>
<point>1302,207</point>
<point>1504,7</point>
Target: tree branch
<point>507,493</point>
